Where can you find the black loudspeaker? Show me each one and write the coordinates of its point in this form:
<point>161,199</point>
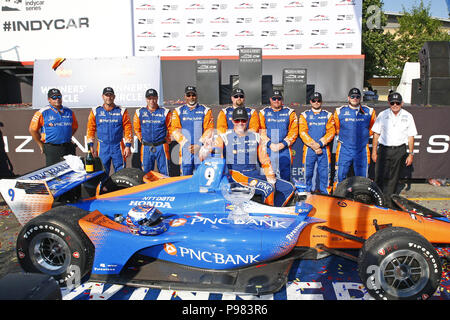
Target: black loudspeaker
<point>437,91</point>
<point>434,58</point>
<point>417,92</point>
<point>267,89</point>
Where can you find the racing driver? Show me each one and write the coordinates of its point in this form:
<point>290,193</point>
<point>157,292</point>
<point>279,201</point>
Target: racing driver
<point>242,149</point>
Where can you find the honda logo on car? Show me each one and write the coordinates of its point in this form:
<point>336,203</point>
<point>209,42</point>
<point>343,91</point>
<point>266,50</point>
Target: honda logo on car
<point>210,257</point>
<point>158,202</point>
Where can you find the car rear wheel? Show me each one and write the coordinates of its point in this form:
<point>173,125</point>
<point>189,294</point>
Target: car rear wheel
<point>54,244</point>
<point>399,264</point>
<point>125,178</point>
<point>360,189</point>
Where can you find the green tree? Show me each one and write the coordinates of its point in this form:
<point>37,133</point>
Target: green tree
<point>376,45</point>
<point>416,27</point>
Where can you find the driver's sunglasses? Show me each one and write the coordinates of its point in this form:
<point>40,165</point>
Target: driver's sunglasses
<point>55,97</point>
<point>395,102</point>
<point>316,100</point>
<point>355,96</point>
<point>277,98</point>
<point>190,95</point>
<point>237,96</point>
<point>240,121</point>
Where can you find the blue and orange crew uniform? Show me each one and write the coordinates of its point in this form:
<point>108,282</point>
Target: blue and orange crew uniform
<point>248,163</point>
<point>225,121</point>
<point>191,126</point>
<point>280,126</point>
<point>56,129</point>
<point>152,128</point>
<point>353,128</point>
<point>317,127</point>
<point>114,133</point>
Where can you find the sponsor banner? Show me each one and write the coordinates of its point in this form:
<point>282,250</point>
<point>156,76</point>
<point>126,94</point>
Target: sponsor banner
<point>46,29</point>
<point>81,81</point>
<point>221,28</point>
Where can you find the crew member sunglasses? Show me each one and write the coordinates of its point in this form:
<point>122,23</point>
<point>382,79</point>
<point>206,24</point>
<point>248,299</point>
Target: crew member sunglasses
<point>237,96</point>
<point>240,121</point>
<point>355,96</point>
<point>316,100</point>
<point>276,98</point>
<point>395,102</point>
<point>55,97</point>
<point>190,95</point>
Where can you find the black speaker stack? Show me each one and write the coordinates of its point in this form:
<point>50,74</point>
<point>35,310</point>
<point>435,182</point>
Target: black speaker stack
<point>433,86</point>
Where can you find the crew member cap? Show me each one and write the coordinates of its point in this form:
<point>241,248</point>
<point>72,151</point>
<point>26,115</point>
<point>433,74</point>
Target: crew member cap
<point>240,113</point>
<point>237,91</point>
<point>108,90</point>
<point>151,93</point>
<point>354,91</point>
<point>53,92</point>
<point>190,89</point>
<point>316,95</point>
<point>395,97</point>
<point>277,93</point>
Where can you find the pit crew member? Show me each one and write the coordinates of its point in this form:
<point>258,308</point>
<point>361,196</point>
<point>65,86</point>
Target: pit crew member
<point>112,125</point>
<point>191,124</point>
<point>354,127</point>
<point>279,125</point>
<point>151,126</point>
<point>316,129</point>
<point>52,128</point>
<point>224,118</point>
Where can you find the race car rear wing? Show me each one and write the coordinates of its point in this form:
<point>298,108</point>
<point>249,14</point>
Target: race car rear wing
<point>34,193</point>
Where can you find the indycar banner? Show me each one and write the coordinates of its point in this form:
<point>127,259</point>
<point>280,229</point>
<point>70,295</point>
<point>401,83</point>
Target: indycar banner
<point>221,28</point>
<point>72,29</point>
<point>79,29</point>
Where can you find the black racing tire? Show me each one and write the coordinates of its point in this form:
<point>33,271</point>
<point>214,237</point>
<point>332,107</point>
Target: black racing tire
<point>360,189</point>
<point>399,264</point>
<point>54,244</point>
<point>125,178</point>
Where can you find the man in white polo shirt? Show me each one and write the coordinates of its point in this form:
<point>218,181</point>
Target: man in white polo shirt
<point>393,133</point>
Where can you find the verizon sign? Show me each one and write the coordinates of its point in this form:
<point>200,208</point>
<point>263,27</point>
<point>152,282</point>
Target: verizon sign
<point>47,29</point>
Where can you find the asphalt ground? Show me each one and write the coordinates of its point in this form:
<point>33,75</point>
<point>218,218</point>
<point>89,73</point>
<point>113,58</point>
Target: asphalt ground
<point>436,198</point>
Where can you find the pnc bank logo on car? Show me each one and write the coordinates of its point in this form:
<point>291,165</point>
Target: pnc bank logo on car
<point>210,257</point>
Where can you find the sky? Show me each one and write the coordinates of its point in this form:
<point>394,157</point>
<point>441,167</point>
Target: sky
<point>438,7</point>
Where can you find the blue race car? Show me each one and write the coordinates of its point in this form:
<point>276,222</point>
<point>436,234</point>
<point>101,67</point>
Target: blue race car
<point>190,233</point>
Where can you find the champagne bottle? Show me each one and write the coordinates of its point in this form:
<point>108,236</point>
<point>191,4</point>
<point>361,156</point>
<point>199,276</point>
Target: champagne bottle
<point>89,162</point>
